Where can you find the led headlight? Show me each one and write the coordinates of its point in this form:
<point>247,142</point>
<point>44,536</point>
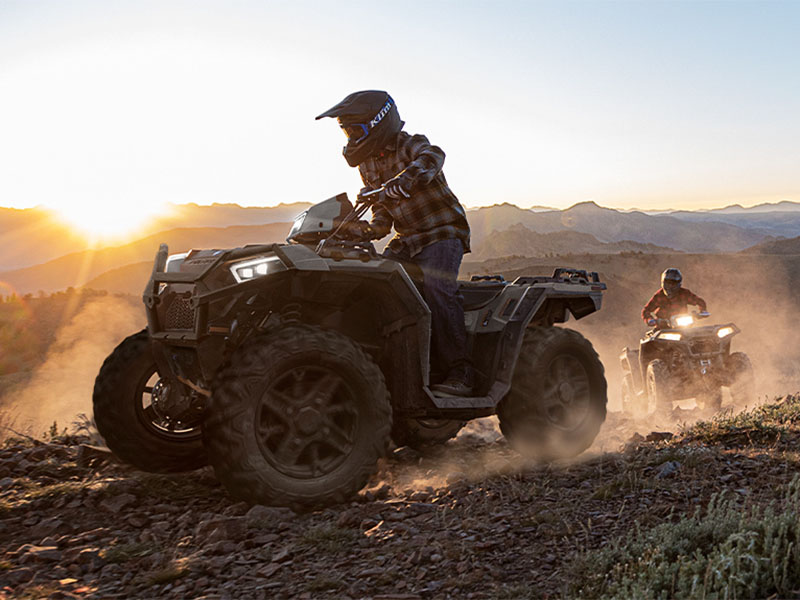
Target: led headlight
<point>671,336</point>
<point>174,262</point>
<point>724,331</point>
<point>298,224</point>
<point>684,320</point>
<point>256,267</point>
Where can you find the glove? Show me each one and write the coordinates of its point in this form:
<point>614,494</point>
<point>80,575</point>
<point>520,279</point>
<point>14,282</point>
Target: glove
<point>397,187</point>
<point>652,322</point>
<point>359,231</point>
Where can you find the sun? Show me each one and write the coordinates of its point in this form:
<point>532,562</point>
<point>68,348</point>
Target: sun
<point>109,221</point>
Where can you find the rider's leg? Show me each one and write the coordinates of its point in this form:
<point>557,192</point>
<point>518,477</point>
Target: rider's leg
<point>440,262</point>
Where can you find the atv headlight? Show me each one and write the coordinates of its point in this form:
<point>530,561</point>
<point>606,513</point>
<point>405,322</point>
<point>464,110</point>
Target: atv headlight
<point>684,320</point>
<point>671,336</point>
<point>297,225</point>
<point>256,267</point>
<point>174,262</point>
<point>724,332</point>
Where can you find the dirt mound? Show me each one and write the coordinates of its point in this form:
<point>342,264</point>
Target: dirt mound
<point>470,520</point>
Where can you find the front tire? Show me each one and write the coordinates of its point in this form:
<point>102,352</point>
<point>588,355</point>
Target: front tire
<point>742,381</point>
<point>126,398</point>
<point>297,418</point>
<point>557,400</point>
<point>657,383</point>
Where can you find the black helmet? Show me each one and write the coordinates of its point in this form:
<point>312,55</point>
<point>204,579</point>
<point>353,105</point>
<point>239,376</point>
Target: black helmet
<point>370,120</point>
<point>671,281</point>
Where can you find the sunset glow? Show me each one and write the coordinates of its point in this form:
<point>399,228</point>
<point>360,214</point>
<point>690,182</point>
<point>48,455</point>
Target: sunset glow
<point>109,222</point>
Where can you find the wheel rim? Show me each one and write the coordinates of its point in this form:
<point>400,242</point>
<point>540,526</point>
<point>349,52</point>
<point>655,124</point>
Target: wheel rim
<point>152,409</point>
<point>306,422</point>
<point>567,398</point>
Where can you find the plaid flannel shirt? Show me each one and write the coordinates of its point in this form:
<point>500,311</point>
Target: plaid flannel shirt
<point>432,213</point>
<point>662,306</point>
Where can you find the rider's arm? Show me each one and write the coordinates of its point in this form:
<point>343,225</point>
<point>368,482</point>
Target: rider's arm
<point>650,308</point>
<point>381,222</point>
<point>426,161</point>
<point>695,299</point>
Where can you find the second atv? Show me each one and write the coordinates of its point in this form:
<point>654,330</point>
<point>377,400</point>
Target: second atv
<point>289,367</point>
<point>679,360</point>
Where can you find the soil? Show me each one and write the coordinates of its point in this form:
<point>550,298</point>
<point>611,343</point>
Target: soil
<point>469,519</point>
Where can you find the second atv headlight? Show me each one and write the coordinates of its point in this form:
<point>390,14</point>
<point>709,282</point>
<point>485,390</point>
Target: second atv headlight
<point>724,331</point>
<point>671,336</point>
<point>256,267</point>
<point>684,320</point>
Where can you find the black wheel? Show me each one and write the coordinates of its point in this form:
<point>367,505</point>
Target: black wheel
<point>557,401</point>
<point>657,387</point>
<point>636,405</point>
<point>742,382</point>
<point>147,421</point>
<point>424,433</point>
<point>297,418</point>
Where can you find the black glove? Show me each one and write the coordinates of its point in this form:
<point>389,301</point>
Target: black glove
<point>398,187</point>
<point>359,231</point>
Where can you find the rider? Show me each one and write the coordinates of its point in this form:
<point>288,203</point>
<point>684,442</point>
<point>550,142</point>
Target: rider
<point>670,300</point>
<point>430,223</point>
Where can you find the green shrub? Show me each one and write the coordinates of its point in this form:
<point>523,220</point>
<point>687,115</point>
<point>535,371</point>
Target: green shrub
<point>725,551</point>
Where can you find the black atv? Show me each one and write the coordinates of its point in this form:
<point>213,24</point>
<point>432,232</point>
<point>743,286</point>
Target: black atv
<point>680,360</point>
<point>290,367</point>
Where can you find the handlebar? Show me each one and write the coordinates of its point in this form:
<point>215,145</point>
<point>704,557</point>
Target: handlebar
<point>366,196</point>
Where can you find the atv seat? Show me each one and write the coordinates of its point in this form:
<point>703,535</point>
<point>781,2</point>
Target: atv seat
<point>479,293</point>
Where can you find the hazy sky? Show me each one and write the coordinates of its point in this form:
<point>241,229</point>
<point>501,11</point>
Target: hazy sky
<point>650,104</point>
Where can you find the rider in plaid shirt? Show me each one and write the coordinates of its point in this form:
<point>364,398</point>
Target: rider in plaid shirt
<point>430,212</point>
<point>671,299</point>
<point>431,225</point>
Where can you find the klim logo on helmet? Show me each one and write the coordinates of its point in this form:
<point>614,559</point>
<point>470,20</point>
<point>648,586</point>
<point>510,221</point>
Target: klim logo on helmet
<point>381,114</point>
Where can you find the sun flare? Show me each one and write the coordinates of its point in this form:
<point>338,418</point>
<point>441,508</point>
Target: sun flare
<point>109,222</point>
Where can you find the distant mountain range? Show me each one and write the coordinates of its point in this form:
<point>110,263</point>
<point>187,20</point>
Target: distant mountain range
<point>518,240</point>
<point>41,254</point>
<point>609,225</point>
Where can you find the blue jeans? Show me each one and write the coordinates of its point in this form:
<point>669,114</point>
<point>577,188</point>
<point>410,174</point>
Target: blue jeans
<point>439,263</point>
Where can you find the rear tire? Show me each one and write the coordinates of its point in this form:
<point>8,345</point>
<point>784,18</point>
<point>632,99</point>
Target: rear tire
<point>125,400</point>
<point>742,386</point>
<point>657,387</point>
<point>420,434</point>
<point>298,418</point>
<point>557,400</point>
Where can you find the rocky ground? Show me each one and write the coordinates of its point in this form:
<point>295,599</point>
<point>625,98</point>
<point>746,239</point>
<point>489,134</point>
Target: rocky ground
<point>468,520</point>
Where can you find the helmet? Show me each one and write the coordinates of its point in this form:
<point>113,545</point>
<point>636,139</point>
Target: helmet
<point>671,281</point>
<point>370,121</point>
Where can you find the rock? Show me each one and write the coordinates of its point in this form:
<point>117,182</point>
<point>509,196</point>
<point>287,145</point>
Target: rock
<point>269,570</point>
<point>19,576</point>
<point>220,529</point>
<point>42,554</point>
<point>667,469</point>
<point>659,436</point>
<point>115,504</point>
<point>6,482</point>
<point>46,527</point>
<point>264,516</point>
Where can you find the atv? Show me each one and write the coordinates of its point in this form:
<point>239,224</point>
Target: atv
<point>679,360</point>
<point>290,367</point>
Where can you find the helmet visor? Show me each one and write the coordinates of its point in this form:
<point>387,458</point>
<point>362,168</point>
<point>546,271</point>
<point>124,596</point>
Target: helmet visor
<point>355,132</point>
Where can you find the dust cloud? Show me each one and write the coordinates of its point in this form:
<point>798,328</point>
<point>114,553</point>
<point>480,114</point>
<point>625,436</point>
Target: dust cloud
<point>60,389</point>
